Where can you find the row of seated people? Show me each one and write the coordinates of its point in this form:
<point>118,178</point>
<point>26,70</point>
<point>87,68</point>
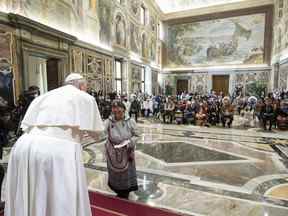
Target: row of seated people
<point>202,113</point>
<point>209,110</point>
<point>272,112</point>
<point>213,111</point>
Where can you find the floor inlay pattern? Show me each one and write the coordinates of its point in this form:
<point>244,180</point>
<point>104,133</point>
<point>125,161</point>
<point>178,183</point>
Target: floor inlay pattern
<point>203,171</point>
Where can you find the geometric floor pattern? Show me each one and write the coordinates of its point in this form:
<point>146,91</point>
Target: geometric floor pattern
<point>203,171</point>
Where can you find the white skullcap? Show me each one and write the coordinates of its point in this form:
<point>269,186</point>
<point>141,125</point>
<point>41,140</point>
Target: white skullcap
<point>73,76</point>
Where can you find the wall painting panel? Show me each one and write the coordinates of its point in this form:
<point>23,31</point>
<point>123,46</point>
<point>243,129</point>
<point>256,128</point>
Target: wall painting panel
<point>233,40</point>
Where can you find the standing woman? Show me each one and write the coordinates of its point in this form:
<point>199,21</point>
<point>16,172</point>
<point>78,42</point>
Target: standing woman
<point>120,147</point>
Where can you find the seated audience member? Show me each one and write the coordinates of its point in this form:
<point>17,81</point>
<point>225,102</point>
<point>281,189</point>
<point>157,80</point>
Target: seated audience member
<point>268,113</point>
<point>227,112</point>
<point>282,115</point>
<point>202,115</point>
<point>189,113</point>
<point>213,113</point>
<point>169,108</point>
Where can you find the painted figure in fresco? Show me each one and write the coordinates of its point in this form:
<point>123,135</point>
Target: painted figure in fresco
<point>120,31</point>
<point>135,6</point>
<point>143,45</point>
<point>105,21</point>
<point>227,49</point>
<point>153,50</point>
<point>134,37</point>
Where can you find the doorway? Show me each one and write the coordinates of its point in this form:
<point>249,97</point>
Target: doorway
<point>221,84</point>
<point>43,73</point>
<point>52,74</point>
<point>182,86</point>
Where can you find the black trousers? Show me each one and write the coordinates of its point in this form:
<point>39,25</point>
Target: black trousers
<point>170,114</point>
<point>267,119</point>
<point>135,113</point>
<point>2,174</point>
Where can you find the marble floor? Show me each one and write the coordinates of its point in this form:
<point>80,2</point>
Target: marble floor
<point>203,171</point>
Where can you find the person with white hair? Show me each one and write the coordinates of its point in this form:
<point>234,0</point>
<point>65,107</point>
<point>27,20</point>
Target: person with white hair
<point>45,172</point>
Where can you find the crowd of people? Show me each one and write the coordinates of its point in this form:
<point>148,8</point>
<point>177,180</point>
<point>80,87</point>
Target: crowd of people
<point>206,110</point>
<point>49,149</point>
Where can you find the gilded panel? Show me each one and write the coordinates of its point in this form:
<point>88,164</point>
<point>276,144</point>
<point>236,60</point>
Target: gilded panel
<point>95,70</point>
<point>135,78</point>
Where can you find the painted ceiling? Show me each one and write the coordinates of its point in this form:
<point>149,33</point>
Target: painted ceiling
<point>168,6</point>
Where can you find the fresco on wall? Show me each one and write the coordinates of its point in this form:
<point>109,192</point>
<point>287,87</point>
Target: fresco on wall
<point>135,78</point>
<point>134,37</point>
<point>153,24</point>
<point>135,7</point>
<point>144,45</point>
<point>155,85</point>
<point>234,40</point>
<point>120,30</point>
<point>105,15</point>
<point>152,49</point>
<point>280,27</point>
<point>89,20</point>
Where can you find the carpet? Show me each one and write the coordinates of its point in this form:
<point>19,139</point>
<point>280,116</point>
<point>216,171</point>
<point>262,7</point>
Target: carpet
<point>105,205</point>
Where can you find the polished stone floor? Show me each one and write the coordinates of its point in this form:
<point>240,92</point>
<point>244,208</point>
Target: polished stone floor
<point>203,171</point>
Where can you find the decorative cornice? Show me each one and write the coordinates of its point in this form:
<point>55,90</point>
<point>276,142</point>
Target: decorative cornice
<point>22,22</point>
<point>217,69</point>
<point>156,7</point>
<point>92,47</point>
<point>216,9</point>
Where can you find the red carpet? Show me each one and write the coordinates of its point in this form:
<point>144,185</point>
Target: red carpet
<point>104,205</point>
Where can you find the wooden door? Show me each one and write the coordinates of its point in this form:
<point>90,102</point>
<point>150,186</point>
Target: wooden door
<point>52,74</point>
<point>182,86</point>
<point>221,84</point>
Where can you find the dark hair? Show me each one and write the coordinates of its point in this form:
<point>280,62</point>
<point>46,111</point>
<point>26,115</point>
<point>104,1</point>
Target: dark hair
<point>117,103</point>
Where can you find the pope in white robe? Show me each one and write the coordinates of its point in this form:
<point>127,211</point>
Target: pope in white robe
<point>45,174</point>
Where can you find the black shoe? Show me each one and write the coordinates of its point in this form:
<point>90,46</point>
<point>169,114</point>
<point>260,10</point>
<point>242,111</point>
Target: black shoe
<point>2,207</point>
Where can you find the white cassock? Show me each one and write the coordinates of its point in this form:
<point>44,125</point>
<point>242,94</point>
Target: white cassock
<point>45,175</point>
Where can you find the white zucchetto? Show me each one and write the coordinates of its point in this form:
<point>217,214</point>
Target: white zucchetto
<point>73,76</point>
